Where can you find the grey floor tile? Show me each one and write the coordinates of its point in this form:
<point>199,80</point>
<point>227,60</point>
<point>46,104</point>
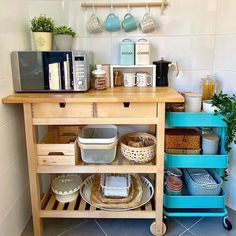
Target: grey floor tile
<point>53,227</point>
<point>187,233</point>
<point>88,228</point>
<point>127,227</point>
<point>187,221</point>
<point>174,228</point>
<point>212,226</point>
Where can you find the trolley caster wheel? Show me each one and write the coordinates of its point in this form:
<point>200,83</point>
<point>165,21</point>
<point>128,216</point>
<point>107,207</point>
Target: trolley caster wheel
<point>153,229</point>
<point>227,224</point>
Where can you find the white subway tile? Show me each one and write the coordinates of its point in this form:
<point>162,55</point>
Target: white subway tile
<point>187,81</point>
<point>225,52</point>
<point>226,81</point>
<point>226,22</point>
<point>18,216</point>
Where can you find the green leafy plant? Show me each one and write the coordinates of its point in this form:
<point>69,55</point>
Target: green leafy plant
<point>42,24</point>
<point>65,30</point>
<point>226,105</point>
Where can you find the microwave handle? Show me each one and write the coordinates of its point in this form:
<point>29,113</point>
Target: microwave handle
<point>67,73</point>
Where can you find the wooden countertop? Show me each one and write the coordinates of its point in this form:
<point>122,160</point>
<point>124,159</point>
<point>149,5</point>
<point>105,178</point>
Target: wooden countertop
<point>117,94</point>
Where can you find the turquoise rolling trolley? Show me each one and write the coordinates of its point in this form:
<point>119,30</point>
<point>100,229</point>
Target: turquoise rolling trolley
<point>197,206</point>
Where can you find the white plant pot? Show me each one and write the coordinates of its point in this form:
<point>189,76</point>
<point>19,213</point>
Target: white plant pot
<point>43,41</point>
<point>63,42</point>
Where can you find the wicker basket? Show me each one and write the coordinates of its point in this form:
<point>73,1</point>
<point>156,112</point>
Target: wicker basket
<point>138,154</point>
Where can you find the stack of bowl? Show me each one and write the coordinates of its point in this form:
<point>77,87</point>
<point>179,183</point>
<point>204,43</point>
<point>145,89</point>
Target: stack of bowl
<point>174,186</point>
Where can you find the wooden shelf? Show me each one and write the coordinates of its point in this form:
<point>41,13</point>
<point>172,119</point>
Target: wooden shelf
<point>50,207</point>
<point>119,165</point>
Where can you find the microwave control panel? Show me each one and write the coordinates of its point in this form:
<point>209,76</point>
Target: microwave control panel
<point>80,71</point>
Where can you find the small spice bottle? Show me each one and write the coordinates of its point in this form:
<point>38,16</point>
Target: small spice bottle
<point>99,76</point>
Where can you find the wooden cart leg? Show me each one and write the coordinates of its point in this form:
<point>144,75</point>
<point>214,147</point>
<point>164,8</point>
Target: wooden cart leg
<point>160,132</point>
<point>32,165</point>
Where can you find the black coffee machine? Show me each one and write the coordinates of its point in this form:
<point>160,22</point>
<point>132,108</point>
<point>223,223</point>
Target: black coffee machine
<point>162,68</point>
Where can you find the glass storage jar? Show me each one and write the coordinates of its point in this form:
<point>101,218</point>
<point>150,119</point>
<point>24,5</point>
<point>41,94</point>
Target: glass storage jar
<point>208,86</point>
<point>99,77</point>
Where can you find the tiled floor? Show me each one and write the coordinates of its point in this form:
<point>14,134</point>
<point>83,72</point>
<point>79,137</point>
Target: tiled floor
<point>124,227</point>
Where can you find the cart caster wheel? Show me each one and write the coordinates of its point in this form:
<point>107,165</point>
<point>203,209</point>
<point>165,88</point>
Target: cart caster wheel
<point>227,224</point>
<point>153,229</point>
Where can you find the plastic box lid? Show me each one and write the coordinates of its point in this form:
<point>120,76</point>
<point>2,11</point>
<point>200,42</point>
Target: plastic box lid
<point>94,134</point>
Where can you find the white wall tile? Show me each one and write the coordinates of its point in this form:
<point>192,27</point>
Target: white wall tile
<point>226,22</point>
<point>225,52</point>
<point>188,17</point>
<point>187,81</point>
<point>18,215</point>
<point>9,43</point>
<point>226,81</point>
<point>13,182</point>
<point>13,17</point>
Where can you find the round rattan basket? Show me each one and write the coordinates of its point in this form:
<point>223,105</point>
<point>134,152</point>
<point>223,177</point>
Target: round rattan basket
<point>138,154</point>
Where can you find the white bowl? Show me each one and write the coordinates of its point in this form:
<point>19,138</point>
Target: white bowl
<point>207,106</point>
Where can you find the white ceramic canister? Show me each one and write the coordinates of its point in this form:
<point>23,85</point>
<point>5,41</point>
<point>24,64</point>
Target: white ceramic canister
<point>142,52</point>
<point>193,102</point>
<point>210,144</point>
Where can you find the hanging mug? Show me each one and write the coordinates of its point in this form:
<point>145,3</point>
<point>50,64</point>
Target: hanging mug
<point>112,23</point>
<point>147,24</point>
<point>94,25</point>
<point>129,23</point>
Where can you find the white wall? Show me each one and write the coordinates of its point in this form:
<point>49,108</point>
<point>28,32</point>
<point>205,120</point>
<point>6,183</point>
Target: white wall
<point>14,199</point>
<point>199,34</point>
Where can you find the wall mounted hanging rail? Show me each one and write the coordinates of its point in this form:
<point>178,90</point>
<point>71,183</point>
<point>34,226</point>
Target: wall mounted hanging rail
<point>163,4</point>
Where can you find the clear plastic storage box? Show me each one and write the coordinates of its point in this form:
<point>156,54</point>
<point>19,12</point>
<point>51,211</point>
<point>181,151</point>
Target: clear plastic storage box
<point>98,143</point>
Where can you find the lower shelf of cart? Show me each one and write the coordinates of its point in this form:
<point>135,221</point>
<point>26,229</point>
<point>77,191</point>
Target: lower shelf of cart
<point>191,202</point>
<point>196,161</point>
<point>51,208</point>
<point>205,212</point>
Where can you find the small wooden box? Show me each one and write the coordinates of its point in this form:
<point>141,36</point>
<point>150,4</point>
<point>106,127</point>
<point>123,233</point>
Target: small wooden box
<point>55,149</point>
<point>182,139</point>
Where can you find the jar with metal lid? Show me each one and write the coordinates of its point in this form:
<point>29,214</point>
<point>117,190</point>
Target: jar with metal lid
<point>208,86</point>
<point>99,76</point>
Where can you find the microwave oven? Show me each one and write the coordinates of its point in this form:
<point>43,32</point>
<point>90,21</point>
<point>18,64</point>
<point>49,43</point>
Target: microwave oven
<point>48,71</point>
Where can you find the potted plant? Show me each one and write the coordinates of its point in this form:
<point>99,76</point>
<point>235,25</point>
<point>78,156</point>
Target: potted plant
<point>63,37</point>
<point>226,106</point>
<point>42,28</point>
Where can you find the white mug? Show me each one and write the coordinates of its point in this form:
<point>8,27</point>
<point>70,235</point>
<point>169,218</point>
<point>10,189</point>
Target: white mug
<point>94,25</point>
<point>129,79</point>
<point>147,24</point>
<point>143,79</point>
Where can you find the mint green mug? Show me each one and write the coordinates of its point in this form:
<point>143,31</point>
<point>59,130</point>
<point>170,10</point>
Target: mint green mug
<point>112,23</point>
<point>129,23</point>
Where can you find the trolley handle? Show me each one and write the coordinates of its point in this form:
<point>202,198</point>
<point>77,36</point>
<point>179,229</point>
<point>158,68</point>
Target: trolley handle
<point>209,186</point>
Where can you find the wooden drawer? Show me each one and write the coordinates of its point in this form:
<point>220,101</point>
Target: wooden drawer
<point>57,150</point>
<point>126,110</point>
<point>62,110</point>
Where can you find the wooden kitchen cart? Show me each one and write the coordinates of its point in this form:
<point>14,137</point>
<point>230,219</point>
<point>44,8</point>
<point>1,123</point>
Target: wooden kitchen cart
<point>113,106</point>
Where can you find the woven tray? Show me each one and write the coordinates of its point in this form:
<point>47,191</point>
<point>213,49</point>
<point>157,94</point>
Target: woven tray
<point>134,201</point>
<point>138,154</point>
